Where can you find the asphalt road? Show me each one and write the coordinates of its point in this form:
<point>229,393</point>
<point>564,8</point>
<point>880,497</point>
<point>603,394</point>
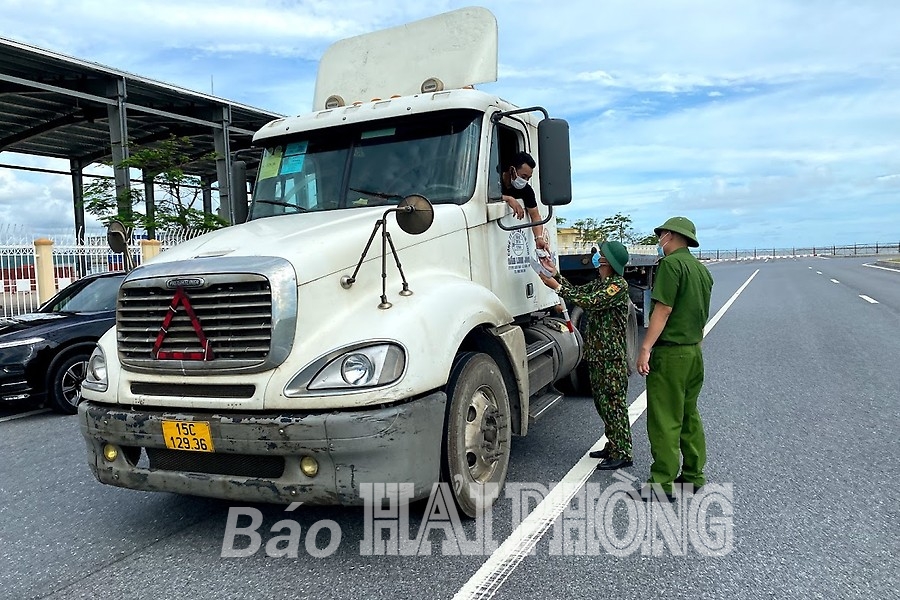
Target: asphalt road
<point>802,412</point>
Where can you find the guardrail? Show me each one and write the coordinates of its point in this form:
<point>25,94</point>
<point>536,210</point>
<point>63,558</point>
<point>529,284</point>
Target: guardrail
<point>796,252</point>
<point>585,248</point>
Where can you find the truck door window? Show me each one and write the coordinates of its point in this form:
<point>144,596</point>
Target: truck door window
<point>505,143</point>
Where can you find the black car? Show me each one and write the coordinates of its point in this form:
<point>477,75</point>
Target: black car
<point>44,354</point>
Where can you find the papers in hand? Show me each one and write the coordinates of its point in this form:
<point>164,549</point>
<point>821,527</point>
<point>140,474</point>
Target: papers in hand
<point>544,263</point>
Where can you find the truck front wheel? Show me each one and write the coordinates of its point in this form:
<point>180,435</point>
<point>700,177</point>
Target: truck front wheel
<point>477,434</point>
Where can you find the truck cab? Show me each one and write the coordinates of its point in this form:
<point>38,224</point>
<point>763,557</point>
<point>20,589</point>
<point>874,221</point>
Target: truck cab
<point>376,318</point>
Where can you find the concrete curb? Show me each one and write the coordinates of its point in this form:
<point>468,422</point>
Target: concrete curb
<point>889,264</point>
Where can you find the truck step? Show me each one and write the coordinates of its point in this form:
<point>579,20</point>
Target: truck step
<point>541,404</point>
<point>535,348</point>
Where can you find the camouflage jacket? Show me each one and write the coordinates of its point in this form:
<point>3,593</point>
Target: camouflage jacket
<point>605,304</point>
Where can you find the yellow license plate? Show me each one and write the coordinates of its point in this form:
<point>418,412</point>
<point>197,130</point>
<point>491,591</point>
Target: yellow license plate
<point>187,435</point>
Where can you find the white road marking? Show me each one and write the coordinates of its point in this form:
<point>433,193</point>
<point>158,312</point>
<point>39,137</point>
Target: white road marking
<point>867,299</point>
<point>882,268</point>
<point>835,281</point>
<point>712,322</point>
<point>504,560</point>
<point>24,414</point>
<point>818,272</point>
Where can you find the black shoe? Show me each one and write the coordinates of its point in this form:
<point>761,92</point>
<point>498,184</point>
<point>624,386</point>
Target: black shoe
<point>654,494</point>
<point>600,453</point>
<point>611,464</point>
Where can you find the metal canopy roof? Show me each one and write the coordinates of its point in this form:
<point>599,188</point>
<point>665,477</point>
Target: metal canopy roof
<point>58,106</point>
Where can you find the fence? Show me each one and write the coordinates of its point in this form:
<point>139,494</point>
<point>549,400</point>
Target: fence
<point>578,247</point>
<point>797,252</point>
<point>22,283</point>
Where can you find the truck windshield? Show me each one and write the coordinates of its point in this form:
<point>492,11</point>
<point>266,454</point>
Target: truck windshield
<point>371,164</point>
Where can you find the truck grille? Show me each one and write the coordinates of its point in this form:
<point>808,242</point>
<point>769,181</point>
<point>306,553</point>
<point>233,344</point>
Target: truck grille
<point>233,313</point>
<point>194,390</point>
<point>241,465</point>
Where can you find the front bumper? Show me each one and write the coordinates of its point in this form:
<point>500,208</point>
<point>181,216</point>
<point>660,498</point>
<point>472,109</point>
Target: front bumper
<point>14,384</point>
<point>400,443</point>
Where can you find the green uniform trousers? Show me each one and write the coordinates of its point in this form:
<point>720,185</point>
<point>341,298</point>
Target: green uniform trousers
<point>673,422</point>
<point>609,387</point>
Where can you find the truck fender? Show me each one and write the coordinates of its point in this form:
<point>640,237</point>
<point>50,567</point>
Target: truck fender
<point>453,314</point>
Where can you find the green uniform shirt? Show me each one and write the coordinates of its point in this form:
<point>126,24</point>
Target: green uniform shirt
<point>685,285</point>
<point>605,303</point>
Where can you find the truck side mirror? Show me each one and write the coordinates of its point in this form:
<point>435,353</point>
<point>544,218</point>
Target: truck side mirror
<point>415,214</point>
<point>554,162</point>
<point>117,236</point>
<point>240,206</point>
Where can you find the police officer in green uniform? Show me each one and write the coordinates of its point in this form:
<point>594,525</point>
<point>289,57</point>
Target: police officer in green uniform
<point>605,303</point>
<point>671,358</point>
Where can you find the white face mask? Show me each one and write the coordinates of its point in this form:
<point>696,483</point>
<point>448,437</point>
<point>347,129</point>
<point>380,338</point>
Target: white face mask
<point>661,247</point>
<point>519,182</point>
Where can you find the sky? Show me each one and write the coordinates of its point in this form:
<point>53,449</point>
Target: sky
<point>768,123</point>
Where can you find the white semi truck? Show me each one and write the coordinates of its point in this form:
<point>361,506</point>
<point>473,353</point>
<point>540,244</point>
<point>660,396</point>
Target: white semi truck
<point>376,318</point>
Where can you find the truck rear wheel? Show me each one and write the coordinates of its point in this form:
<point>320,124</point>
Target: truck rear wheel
<point>578,381</point>
<point>631,338</point>
<point>477,431</point>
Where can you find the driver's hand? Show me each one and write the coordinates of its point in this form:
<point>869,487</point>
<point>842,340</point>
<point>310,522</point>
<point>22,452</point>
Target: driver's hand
<point>541,243</point>
<point>515,206</point>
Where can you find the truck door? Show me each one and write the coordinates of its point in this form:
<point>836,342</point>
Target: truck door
<point>511,276</point>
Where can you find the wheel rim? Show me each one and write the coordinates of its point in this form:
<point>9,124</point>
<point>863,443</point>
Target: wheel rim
<point>482,435</point>
<point>71,382</point>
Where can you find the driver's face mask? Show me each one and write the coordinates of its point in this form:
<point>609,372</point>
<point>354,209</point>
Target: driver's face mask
<point>518,182</point>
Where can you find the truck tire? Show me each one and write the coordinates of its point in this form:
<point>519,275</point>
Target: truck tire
<point>477,431</point>
<point>631,338</point>
<point>578,381</point>
<point>64,381</point>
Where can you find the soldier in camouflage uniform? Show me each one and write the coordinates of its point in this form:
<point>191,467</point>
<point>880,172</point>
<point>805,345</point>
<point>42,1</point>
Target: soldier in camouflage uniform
<point>605,303</point>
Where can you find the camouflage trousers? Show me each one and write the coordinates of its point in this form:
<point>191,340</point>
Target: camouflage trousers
<point>609,386</point>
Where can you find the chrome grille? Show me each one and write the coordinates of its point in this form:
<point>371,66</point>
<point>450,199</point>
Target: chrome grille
<point>234,313</point>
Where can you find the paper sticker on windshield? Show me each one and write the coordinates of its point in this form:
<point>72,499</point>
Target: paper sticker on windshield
<point>292,164</point>
<point>296,148</point>
<point>270,163</point>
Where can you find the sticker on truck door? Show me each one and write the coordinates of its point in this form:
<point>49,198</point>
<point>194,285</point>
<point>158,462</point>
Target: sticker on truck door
<point>517,259</point>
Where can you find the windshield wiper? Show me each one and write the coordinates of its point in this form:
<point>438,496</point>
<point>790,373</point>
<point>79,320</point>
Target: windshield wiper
<point>285,204</point>
<point>383,195</point>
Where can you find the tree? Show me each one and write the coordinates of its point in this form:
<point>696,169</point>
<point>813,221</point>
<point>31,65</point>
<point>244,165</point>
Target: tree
<point>589,230</point>
<point>164,163</point>
<point>618,228</point>
<point>649,240</point>
<point>560,221</point>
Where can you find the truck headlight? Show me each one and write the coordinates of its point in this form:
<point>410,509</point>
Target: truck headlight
<point>96,377</point>
<point>357,367</point>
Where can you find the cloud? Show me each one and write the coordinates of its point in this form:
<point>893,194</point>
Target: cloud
<point>767,121</point>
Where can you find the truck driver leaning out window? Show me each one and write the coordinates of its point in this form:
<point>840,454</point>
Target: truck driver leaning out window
<point>515,187</point>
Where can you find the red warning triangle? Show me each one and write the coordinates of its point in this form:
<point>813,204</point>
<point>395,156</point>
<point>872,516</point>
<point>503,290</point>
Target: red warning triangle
<point>181,299</point>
